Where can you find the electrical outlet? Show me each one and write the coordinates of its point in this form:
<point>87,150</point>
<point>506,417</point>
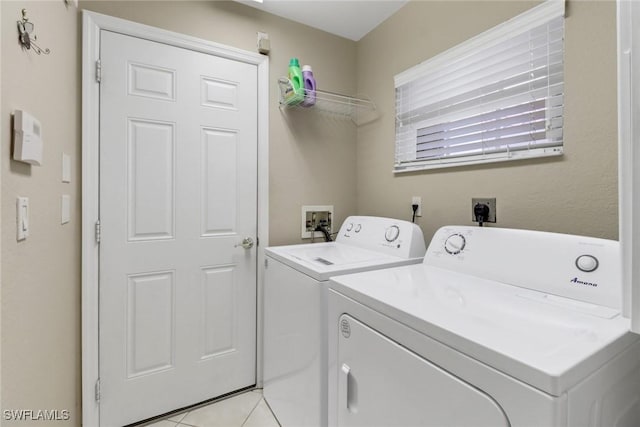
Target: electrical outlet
<point>490,202</point>
<point>417,200</point>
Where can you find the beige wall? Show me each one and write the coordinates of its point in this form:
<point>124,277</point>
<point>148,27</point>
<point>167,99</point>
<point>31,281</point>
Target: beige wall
<point>41,275</point>
<point>312,156</point>
<point>576,193</point>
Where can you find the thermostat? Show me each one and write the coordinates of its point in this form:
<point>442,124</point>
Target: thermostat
<point>27,138</point>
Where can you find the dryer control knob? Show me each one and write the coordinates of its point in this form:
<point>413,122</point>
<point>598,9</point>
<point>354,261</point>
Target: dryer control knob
<point>587,263</point>
<point>392,233</point>
<point>455,244</point>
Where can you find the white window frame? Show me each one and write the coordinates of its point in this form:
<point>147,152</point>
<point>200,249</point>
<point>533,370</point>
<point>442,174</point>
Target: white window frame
<point>406,149</point>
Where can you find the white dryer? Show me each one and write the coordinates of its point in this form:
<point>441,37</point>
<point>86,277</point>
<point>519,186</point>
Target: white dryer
<point>495,328</point>
<point>295,308</point>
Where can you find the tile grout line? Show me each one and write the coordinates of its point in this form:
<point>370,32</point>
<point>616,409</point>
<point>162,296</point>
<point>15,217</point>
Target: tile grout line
<point>254,408</point>
<point>230,397</point>
<point>271,411</point>
<point>180,423</point>
<point>184,415</point>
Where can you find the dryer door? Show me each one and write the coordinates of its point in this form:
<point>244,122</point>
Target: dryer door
<point>383,384</point>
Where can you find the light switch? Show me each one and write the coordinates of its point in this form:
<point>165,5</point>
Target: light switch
<point>66,168</point>
<point>22,217</point>
<point>66,209</point>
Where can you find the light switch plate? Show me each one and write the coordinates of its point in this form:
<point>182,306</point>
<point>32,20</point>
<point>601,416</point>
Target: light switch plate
<point>66,168</point>
<point>22,217</point>
<point>65,209</point>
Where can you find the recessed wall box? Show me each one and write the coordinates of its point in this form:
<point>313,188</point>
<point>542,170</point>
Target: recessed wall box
<point>314,216</point>
<point>27,138</point>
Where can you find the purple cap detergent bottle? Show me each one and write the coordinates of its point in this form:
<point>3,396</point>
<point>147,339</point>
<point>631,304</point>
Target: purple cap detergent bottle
<point>309,87</point>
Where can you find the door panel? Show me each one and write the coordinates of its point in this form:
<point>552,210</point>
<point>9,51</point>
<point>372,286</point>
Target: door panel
<point>152,81</point>
<point>178,191</point>
<point>150,323</point>
<point>218,331</point>
<point>219,160</point>
<point>151,178</point>
<point>219,93</point>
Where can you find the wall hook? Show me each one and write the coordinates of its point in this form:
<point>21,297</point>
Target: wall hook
<point>26,38</point>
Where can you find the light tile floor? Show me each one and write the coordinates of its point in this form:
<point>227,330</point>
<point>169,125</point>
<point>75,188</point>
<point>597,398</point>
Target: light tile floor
<point>243,410</point>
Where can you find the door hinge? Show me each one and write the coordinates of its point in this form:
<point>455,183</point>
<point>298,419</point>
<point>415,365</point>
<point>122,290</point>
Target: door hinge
<point>98,71</point>
<point>98,390</point>
<point>98,231</point>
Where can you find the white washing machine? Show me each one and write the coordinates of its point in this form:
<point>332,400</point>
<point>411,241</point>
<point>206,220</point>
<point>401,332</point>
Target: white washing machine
<point>295,308</point>
<point>495,328</point>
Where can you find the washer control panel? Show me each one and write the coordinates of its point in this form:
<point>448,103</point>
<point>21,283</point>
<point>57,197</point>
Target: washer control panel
<point>388,235</point>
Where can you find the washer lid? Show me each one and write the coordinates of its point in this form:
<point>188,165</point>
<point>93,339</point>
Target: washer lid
<point>546,341</point>
<point>323,260</point>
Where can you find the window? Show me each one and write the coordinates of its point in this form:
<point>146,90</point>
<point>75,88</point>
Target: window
<point>495,97</point>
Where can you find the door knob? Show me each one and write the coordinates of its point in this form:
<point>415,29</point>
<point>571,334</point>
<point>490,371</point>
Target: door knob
<point>247,243</point>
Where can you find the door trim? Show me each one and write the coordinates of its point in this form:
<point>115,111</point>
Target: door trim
<point>92,24</point>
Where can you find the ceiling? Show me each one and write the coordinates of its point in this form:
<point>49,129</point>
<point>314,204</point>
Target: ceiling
<point>351,19</point>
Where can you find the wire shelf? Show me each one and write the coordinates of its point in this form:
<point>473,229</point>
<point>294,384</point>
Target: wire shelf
<point>359,110</point>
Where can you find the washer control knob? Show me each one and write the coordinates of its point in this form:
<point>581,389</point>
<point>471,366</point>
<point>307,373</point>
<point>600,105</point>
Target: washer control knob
<point>455,244</point>
<point>350,226</point>
<point>358,228</point>
<point>392,233</point>
<point>587,263</point>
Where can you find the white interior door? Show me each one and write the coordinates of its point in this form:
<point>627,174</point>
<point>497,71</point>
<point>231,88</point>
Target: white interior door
<point>178,180</point>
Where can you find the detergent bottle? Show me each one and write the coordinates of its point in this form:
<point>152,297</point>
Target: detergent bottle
<point>309,86</point>
<point>295,76</point>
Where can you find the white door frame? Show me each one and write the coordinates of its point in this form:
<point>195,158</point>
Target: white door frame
<point>628,157</point>
<point>93,23</point>
<point>626,54</point>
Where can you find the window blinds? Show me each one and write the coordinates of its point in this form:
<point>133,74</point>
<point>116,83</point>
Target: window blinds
<point>498,96</point>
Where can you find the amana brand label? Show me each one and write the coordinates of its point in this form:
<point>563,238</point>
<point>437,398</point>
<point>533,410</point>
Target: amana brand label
<point>580,282</point>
